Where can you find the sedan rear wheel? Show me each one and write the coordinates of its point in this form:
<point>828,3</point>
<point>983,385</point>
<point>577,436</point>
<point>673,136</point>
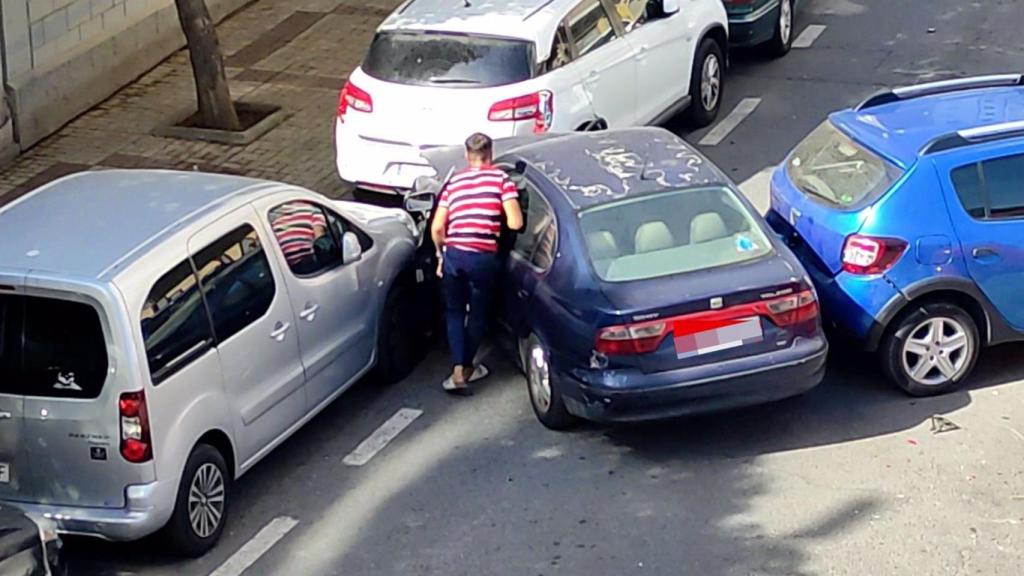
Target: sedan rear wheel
<point>545,397</point>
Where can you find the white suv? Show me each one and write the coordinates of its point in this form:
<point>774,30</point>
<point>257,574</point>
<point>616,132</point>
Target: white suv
<point>439,70</point>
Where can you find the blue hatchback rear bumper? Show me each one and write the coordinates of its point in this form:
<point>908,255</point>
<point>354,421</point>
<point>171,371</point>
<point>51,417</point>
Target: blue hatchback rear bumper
<point>629,396</point>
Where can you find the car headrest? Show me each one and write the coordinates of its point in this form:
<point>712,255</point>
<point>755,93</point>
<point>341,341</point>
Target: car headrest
<point>707,226</point>
<point>653,236</point>
<point>602,245</point>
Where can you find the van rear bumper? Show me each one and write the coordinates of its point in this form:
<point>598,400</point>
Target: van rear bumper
<point>149,507</point>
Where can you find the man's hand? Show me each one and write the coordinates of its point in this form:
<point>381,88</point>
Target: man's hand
<point>440,267</point>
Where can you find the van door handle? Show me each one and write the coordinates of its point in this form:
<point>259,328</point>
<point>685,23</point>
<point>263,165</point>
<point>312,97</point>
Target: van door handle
<point>309,313</point>
<point>280,329</point>
<point>5,415</point>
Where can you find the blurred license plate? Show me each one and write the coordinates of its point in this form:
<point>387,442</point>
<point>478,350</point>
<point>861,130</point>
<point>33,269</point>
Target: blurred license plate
<point>5,473</point>
<point>698,337</point>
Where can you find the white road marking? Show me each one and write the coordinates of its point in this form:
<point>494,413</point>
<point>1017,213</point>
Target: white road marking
<point>757,189</point>
<point>745,108</point>
<point>382,436</point>
<point>809,35</point>
<point>254,549</point>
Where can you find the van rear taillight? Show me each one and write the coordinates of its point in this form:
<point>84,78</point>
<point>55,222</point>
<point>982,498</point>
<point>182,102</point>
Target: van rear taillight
<point>355,98</point>
<point>539,107</point>
<point>136,445</point>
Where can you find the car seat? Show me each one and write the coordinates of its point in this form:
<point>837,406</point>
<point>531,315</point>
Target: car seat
<point>653,236</point>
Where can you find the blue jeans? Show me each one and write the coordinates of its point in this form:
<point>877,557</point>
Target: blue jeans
<point>469,278</point>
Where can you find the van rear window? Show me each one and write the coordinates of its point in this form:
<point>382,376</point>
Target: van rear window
<point>454,60</point>
<point>51,348</point>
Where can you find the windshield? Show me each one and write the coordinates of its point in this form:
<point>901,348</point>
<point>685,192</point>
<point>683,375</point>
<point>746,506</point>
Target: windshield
<point>831,167</point>
<point>448,60</point>
<point>670,233</point>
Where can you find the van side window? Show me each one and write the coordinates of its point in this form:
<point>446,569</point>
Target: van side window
<point>64,351</point>
<point>308,244</point>
<point>175,327</point>
<point>236,280</point>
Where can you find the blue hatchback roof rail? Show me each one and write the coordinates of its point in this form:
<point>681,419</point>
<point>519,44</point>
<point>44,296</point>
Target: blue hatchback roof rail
<point>940,87</point>
<point>977,135</point>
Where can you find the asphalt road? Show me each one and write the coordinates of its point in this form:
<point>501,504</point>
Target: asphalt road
<point>848,479</point>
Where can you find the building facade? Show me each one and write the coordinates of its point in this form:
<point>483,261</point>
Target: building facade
<point>58,58</point>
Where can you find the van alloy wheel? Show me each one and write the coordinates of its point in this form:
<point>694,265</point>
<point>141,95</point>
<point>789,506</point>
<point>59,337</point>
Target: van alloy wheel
<point>206,500</point>
<point>937,351</point>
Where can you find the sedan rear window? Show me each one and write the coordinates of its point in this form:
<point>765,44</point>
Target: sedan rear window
<point>435,59</point>
<point>670,233</point>
<point>834,169</point>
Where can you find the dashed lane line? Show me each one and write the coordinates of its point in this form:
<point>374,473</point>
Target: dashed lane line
<point>745,108</point>
<point>809,35</point>
<point>255,548</point>
<point>381,437</point>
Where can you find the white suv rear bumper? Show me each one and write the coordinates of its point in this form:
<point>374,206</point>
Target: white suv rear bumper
<point>377,164</point>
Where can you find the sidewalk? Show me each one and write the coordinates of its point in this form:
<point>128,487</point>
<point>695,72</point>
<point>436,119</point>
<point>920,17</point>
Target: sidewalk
<point>293,53</point>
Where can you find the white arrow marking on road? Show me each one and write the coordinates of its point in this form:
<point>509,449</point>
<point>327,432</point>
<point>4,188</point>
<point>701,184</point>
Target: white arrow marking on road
<point>254,549</point>
<point>808,36</point>
<point>382,436</point>
<point>745,108</point>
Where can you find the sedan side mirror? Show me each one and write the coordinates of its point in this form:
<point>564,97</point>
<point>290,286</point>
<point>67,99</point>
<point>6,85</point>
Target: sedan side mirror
<point>420,202</point>
<point>351,249</point>
<point>669,7</point>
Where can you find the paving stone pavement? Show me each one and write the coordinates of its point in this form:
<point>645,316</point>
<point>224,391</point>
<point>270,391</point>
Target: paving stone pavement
<point>293,53</point>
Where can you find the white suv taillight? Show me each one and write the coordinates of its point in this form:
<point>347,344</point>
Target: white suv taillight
<point>355,98</point>
<point>539,107</point>
<point>136,445</point>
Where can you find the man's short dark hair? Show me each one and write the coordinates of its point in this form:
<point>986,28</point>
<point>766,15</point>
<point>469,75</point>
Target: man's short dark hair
<point>479,145</point>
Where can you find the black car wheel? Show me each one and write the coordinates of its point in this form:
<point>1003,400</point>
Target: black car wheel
<point>782,41</point>
<point>545,397</point>
<point>706,84</point>
<point>200,511</point>
<point>931,349</point>
<point>400,323</point>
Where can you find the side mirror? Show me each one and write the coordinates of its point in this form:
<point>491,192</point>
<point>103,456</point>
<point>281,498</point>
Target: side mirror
<point>669,7</point>
<point>351,249</point>
<point>420,202</point>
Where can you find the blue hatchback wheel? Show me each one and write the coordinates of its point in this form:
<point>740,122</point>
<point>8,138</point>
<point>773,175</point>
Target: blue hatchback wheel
<point>937,351</point>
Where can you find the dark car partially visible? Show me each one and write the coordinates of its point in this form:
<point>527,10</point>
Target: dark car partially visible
<point>28,547</point>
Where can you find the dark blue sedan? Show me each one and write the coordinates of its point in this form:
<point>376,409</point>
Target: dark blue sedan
<point>644,285</point>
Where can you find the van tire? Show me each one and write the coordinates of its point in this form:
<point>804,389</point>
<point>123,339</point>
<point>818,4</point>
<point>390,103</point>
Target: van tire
<point>698,115</point>
<point>184,539</point>
<point>396,345</point>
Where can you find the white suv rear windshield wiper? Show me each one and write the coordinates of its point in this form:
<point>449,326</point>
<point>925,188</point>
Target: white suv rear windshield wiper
<point>443,80</point>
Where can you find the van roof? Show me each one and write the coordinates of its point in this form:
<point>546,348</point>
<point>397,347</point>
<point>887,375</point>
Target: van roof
<point>533,20</point>
<point>85,224</point>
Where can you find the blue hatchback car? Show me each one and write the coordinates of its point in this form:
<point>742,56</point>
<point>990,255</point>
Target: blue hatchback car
<point>644,285</point>
<point>908,211</point>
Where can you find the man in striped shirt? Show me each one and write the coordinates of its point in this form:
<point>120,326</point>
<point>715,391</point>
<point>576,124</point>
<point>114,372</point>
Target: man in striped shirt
<point>473,206</point>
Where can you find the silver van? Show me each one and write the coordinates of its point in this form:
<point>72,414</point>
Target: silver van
<point>161,332</point>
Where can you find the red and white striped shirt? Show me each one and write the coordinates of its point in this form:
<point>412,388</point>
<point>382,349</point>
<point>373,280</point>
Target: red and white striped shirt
<point>474,200</point>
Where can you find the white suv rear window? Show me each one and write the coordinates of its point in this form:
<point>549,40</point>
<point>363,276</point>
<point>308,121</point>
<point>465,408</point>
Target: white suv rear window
<point>437,59</point>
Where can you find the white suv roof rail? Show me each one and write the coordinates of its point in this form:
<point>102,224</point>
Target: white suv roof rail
<point>940,87</point>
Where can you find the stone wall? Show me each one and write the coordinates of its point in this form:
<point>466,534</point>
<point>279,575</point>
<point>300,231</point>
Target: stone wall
<point>62,57</point>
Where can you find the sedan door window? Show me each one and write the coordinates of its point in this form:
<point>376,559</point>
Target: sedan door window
<point>536,242</point>
<point>590,27</point>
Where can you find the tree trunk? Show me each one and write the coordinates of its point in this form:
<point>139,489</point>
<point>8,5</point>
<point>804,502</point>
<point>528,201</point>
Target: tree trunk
<point>215,107</point>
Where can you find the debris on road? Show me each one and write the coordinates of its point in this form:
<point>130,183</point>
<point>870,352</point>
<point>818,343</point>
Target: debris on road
<point>942,424</point>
